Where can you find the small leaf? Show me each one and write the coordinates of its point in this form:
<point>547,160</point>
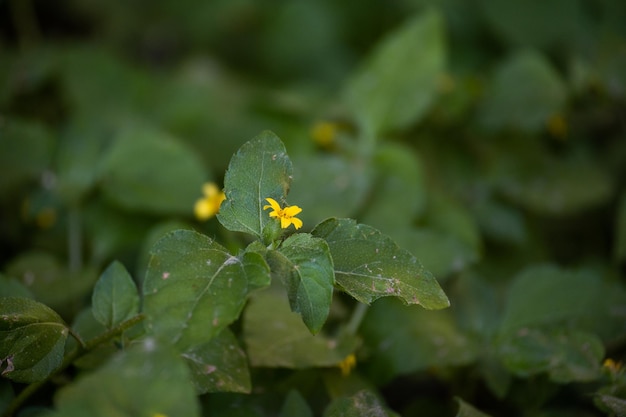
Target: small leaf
<point>397,83</point>
<point>467,410</point>
<point>115,296</point>
<point>260,169</point>
<point>145,380</point>
<point>304,265</point>
<point>257,270</point>
<point>295,406</point>
<point>369,265</point>
<point>219,365</point>
<point>32,339</point>
<point>193,288</point>
<point>362,404</point>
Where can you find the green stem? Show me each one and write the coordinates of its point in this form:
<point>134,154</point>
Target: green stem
<point>75,239</point>
<point>357,318</point>
<point>81,350</point>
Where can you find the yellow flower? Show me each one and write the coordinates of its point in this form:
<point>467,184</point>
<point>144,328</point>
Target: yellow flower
<point>347,364</point>
<point>324,133</point>
<point>612,366</point>
<point>208,206</point>
<point>286,215</point>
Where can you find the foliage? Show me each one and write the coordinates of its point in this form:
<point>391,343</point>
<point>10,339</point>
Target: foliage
<point>445,232</point>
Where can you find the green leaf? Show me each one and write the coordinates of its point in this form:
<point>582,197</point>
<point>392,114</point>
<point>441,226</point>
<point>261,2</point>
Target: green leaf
<point>277,337</point>
<point>467,410</point>
<point>397,83</point>
<point>566,355</point>
<point>150,171</point>
<point>408,339</point>
<point>524,93</point>
<point>115,296</point>
<point>193,288</point>
<point>260,169</point>
<point>32,339</point>
<point>144,381</point>
<point>369,265</point>
<point>305,267</point>
<point>219,365</point>
<point>257,270</point>
<point>620,230</point>
<point>295,406</point>
<point>10,287</point>
<point>614,404</point>
<point>362,404</point>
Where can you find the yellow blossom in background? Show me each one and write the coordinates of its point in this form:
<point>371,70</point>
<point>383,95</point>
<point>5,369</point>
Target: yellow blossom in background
<point>324,133</point>
<point>347,365</point>
<point>611,365</point>
<point>286,215</point>
<point>208,206</point>
<point>557,126</point>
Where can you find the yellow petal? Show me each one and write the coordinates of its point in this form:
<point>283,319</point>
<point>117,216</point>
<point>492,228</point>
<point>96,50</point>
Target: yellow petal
<point>273,204</point>
<point>285,222</point>
<point>297,223</point>
<point>291,210</point>
<point>209,189</point>
<point>202,209</point>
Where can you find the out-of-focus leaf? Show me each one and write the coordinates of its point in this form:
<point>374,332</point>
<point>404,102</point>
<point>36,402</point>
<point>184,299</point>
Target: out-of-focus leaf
<point>6,394</point>
<point>467,410</point>
<point>524,92</point>
<point>277,337</point>
<point>369,265</point>
<point>260,169</point>
<point>87,327</point>
<point>147,170</point>
<point>193,288</point>
<point>295,406</point>
<point>620,230</point>
<point>407,339</point>
<point>328,186</point>
<point>11,287</point>
<point>304,265</point>
<point>396,85</point>
<point>219,365</point>
<point>362,404</point>
<point>115,296</point>
<point>146,380</point>
<point>567,356</point>
<point>32,339</point>
<point>614,404</point>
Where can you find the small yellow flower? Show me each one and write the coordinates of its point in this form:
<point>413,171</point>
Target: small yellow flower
<point>612,366</point>
<point>347,364</point>
<point>208,206</point>
<point>286,215</point>
<point>324,133</point>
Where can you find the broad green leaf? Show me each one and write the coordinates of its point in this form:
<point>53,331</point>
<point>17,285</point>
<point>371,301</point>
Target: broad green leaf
<point>257,270</point>
<point>219,365</point>
<point>362,404</point>
<point>115,296</point>
<point>614,404</point>
<point>147,170</point>
<point>277,337</point>
<point>193,288</point>
<point>10,287</point>
<point>304,265</point>
<point>524,93</point>
<point>144,381</point>
<point>295,406</point>
<point>32,339</point>
<point>398,82</point>
<point>87,327</point>
<point>467,410</point>
<point>566,355</point>
<point>260,169</point>
<point>369,265</point>
<point>405,339</point>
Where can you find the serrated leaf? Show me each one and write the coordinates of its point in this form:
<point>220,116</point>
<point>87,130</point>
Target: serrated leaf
<point>397,83</point>
<point>32,339</point>
<point>219,365</point>
<point>467,410</point>
<point>305,267</point>
<point>362,404</point>
<point>277,337</point>
<point>260,169</point>
<point>295,406</point>
<point>566,355</point>
<point>369,265</point>
<point>257,270</point>
<point>144,381</point>
<point>115,296</point>
<point>193,288</point>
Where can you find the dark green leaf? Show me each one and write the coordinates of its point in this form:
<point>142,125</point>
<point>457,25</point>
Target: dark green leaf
<point>397,83</point>
<point>260,169</point>
<point>304,265</point>
<point>467,410</point>
<point>10,287</point>
<point>193,288</point>
<point>615,404</point>
<point>369,265</point>
<point>115,296</point>
<point>147,380</point>
<point>362,404</point>
<point>219,365</point>
<point>32,339</point>
<point>295,406</point>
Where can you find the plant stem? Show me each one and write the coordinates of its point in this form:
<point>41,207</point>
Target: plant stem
<point>82,349</point>
<point>357,318</point>
<point>75,238</point>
